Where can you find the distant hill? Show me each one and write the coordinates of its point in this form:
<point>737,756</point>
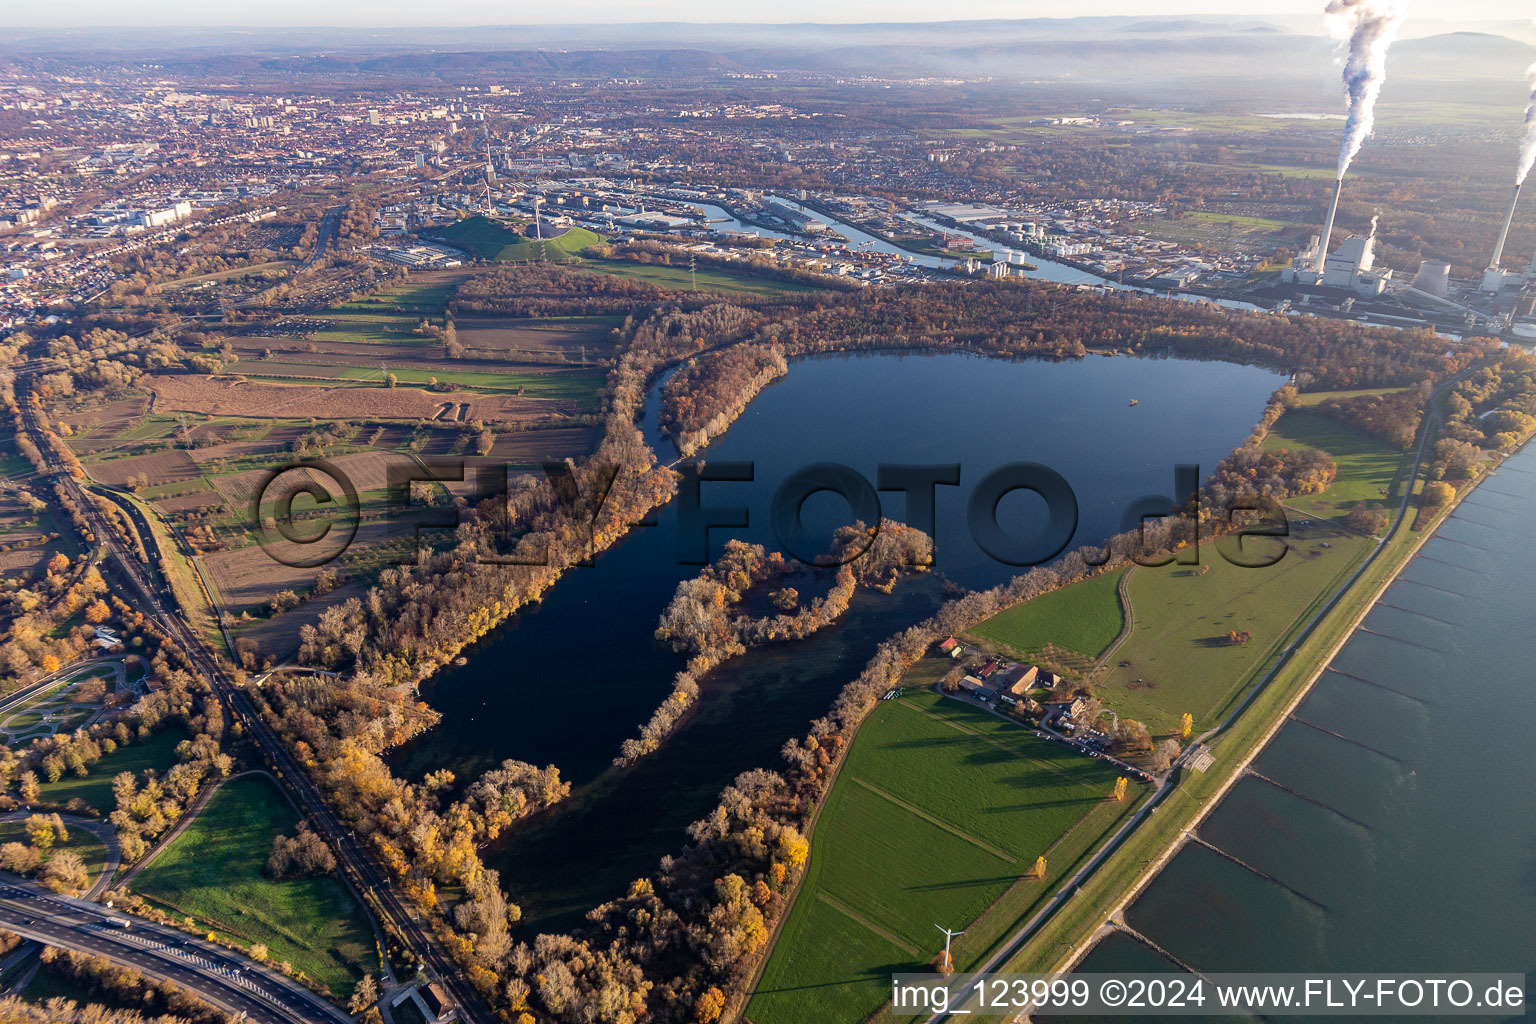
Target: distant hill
<point>489,240</point>
<point>1460,55</point>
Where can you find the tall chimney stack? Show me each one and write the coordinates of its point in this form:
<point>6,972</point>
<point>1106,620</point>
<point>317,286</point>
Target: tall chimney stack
<point>1498,250</point>
<point>1333,208</point>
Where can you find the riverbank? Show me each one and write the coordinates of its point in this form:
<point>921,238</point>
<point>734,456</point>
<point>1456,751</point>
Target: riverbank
<point>1065,938</point>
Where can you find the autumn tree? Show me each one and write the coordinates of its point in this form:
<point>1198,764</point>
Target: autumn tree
<point>1367,520</point>
<point>709,1006</point>
<point>1163,755</point>
<point>1437,494</point>
<point>364,995</point>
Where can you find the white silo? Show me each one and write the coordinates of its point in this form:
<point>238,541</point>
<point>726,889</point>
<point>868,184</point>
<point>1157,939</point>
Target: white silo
<point>1433,278</point>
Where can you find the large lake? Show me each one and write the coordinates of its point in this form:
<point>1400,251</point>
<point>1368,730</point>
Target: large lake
<point>571,678</point>
<point>1400,822</point>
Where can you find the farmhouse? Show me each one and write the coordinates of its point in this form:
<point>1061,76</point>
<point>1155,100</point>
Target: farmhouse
<point>1018,680</point>
<point>975,687</point>
<point>1063,712</point>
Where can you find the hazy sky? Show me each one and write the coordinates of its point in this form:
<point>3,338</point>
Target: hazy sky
<point>489,12</point>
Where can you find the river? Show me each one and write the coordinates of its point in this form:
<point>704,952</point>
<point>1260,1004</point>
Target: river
<point>1399,827</point>
<point>1043,267</point>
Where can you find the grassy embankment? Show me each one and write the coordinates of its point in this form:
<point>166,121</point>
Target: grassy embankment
<point>194,599</point>
<point>212,872</point>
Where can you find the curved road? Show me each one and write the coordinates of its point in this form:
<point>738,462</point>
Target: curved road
<point>228,981</point>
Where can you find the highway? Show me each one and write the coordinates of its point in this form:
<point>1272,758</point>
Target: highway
<point>325,233</point>
<point>357,866</point>
<point>230,982</point>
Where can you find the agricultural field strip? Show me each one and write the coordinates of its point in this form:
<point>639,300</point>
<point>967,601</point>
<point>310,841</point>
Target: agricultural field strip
<point>859,919</point>
<point>940,823</point>
<point>961,727</point>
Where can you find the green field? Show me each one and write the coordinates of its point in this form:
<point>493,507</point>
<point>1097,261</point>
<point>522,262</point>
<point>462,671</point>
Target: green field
<point>712,280</point>
<point>582,387</point>
<point>490,240</point>
<point>1177,658</point>
<point>1084,618</point>
<point>213,872</point>
<point>1369,469</point>
<point>393,314</point>
<point>158,752</point>
<point>937,816</point>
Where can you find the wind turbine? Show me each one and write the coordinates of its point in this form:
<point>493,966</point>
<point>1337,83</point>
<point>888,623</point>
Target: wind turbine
<point>948,935</point>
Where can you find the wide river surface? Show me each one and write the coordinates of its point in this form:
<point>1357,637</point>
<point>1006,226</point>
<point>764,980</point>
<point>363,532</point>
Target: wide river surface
<point>1396,815</point>
<point>571,678</point>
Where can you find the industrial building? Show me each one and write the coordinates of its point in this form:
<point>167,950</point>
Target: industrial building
<point>1350,267</point>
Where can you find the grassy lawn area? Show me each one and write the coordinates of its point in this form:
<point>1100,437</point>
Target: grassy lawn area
<point>711,280</point>
<point>157,752</point>
<point>1177,657</point>
<point>213,872</point>
<point>91,850</point>
<point>1084,618</point>
<point>1370,470</point>
<point>895,851</point>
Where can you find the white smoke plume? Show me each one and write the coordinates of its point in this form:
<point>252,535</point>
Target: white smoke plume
<point>1528,140</point>
<point>1368,28</point>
